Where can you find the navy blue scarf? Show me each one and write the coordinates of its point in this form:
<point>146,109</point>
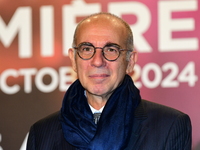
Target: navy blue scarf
<point>115,124</point>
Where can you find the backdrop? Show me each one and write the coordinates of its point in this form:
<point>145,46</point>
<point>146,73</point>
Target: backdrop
<point>35,70</point>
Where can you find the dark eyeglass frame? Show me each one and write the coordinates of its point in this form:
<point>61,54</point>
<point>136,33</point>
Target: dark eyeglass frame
<point>102,48</point>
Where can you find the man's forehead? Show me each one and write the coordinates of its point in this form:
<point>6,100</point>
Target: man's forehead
<point>102,18</point>
<point>100,25</point>
<point>101,22</point>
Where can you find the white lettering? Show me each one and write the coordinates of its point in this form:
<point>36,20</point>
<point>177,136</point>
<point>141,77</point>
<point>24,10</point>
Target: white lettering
<point>167,25</point>
<point>143,21</point>
<point>21,23</point>
<point>65,80</point>
<point>61,79</point>
<point>3,81</point>
<point>39,80</point>
<point>69,19</point>
<point>47,31</point>
<point>27,73</point>
<point>173,78</point>
<point>145,75</point>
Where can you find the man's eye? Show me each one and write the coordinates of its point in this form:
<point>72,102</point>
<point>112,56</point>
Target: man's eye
<point>111,50</point>
<point>86,49</point>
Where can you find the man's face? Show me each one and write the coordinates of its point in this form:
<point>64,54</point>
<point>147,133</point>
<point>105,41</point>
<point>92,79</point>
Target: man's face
<point>97,75</point>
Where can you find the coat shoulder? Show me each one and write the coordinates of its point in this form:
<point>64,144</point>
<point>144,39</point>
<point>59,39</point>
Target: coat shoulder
<point>43,133</point>
<point>162,119</point>
<point>50,121</point>
<point>162,111</point>
<point>160,127</point>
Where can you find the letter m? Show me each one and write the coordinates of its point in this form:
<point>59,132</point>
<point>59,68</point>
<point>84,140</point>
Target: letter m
<point>19,24</point>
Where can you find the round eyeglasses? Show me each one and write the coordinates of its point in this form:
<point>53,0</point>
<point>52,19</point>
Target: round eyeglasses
<point>110,52</point>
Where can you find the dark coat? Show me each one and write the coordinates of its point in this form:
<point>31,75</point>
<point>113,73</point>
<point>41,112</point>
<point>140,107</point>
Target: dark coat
<point>156,127</point>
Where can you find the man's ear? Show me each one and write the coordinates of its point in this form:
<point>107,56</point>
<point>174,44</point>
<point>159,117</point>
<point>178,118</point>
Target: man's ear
<point>72,58</point>
<point>132,61</point>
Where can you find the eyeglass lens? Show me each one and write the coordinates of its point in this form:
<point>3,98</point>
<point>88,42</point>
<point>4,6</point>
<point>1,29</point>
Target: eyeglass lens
<point>110,52</point>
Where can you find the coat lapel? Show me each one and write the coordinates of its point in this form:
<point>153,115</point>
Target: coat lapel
<point>61,143</point>
<point>139,130</point>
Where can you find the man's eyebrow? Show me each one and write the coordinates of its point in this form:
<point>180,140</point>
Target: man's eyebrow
<point>107,44</point>
<point>112,44</point>
<point>86,43</point>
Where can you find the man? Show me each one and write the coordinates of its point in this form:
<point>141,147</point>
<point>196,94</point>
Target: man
<point>103,56</point>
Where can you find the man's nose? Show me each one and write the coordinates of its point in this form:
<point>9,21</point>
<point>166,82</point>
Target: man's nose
<point>98,59</point>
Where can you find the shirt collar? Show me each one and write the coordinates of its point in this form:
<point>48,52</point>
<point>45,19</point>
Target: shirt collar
<point>95,110</point>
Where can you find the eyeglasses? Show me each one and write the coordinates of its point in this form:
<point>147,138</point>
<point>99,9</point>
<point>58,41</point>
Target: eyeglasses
<point>110,52</point>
